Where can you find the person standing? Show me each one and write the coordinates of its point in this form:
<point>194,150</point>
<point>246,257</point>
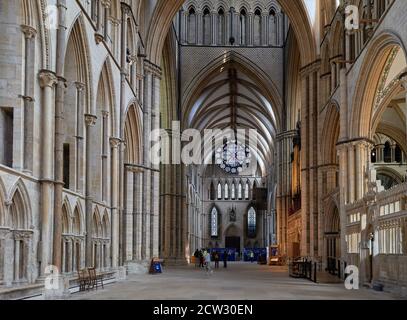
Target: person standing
<point>201,259</point>
<point>252,256</point>
<point>225,259</point>
<point>196,256</point>
<point>216,258</point>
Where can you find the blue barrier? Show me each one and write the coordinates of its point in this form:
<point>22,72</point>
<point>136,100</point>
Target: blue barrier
<point>258,252</point>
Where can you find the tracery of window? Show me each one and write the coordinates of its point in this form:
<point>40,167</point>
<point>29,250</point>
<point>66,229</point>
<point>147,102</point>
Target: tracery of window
<point>214,222</point>
<point>251,223</point>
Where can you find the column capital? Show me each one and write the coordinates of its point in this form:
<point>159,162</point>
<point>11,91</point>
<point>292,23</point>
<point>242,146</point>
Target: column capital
<point>115,142</point>
<point>79,86</point>
<point>106,3</point>
<point>28,31</point>
<point>105,114</point>
<point>47,78</point>
<point>152,68</point>
<point>310,68</point>
<point>90,120</point>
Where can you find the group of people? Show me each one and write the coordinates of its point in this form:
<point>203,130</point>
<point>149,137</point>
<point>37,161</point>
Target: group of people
<point>203,258</point>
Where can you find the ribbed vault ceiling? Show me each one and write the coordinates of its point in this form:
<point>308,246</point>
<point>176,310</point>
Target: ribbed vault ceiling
<point>232,100</point>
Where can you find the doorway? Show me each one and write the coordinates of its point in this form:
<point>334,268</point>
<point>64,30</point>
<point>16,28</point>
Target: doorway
<point>233,243</point>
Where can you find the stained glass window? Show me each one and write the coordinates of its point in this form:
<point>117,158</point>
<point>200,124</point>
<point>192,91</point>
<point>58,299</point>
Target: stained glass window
<point>214,222</point>
<point>246,191</point>
<point>219,191</point>
<point>240,191</point>
<point>226,191</point>
<point>251,222</point>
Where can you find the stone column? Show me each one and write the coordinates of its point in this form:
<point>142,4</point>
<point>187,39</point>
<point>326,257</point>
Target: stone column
<point>99,37</point>
<point>351,173</point>
<point>214,29</point>
<point>80,87</point>
<point>393,153</point>
<point>105,7</point>
<point>148,97</point>
<point>105,154</point>
<point>199,29</point>
<point>313,161</point>
<point>47,81</point>
<point>403,80</point>
<point>380,153</point>
<point>155,188</point>
<point>359,170</point>
<point>343,180</point>
<point>183,27</point>
<point>250,26</point>
<point>90,121</point>
<point>137,222</point>
<point>305,167</point>
<point>114,144</point>
<point>264,30</point>
<point>59,134</point>
<point>17,260</point>
<point>127,222</point>
<point>126,10</point>
<point>30,34</point>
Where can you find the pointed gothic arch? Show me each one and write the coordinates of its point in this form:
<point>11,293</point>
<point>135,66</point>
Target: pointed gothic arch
<point>20,214</point>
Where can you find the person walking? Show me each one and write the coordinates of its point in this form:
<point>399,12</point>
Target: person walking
<point>208,262</point>
<point>225,259</point>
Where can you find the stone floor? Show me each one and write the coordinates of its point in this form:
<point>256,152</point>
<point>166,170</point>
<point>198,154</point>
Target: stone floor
<point>239,282</point>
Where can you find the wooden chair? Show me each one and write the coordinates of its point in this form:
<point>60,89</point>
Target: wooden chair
<point>83,280</point>
<point>95,279</point>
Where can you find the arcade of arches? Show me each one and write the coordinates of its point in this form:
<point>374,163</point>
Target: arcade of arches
<point>78,104</point>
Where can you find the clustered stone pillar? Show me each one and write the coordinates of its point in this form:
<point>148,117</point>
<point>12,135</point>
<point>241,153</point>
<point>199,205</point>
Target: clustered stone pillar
<point>309,193</point>
<point>146,230</point>
<point>90,121</point>
<point>47,81</point>
<point>80,87</point>
<point>285,141</point>
<point>30,34</point>
<point>114,145</point>
<point>155,188</point>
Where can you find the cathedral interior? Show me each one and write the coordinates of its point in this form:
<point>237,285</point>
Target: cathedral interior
<point>86,84</point>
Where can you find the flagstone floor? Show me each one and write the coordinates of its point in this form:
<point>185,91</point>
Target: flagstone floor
<point>241,281</point>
